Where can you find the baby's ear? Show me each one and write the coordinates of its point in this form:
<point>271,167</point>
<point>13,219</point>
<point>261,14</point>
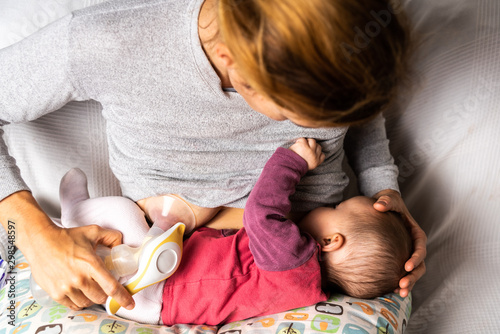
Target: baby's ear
<point>332,242</point>
<point>73,189</point>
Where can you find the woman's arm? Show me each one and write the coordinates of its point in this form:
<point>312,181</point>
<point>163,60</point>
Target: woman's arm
<point>367,149</point>
<point>63,261</point>
<point>227,218</point>
<point>35,79</point>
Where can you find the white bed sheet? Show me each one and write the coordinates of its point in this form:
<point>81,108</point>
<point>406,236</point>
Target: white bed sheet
<point>446,144</point>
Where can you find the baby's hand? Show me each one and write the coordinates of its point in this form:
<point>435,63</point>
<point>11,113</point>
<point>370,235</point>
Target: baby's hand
<point>310,151</point>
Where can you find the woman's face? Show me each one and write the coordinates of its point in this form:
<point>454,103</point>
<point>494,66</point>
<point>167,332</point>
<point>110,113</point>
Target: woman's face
<point>264,105</point>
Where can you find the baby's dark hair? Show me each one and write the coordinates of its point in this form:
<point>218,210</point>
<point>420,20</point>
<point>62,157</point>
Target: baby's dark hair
<point>378,246</point>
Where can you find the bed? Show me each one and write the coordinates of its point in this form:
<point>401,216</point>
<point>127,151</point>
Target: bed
<point>444,138</point>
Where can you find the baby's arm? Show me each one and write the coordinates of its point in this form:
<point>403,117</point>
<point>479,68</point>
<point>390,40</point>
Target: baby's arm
<point>275,241</point>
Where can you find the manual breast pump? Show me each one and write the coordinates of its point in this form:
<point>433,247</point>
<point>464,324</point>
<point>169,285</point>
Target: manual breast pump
<point>155,260</point>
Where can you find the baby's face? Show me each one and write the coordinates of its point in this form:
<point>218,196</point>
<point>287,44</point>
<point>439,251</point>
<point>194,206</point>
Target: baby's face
<point>325,221</point>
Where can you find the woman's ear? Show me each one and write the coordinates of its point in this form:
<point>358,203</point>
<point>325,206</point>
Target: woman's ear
<point>223,55</point>
<point>332,242</point>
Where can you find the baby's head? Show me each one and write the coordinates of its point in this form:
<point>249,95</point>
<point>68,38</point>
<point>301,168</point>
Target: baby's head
<point>364,250</point>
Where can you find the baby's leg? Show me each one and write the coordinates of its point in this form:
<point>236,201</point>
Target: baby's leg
<point>111,212</point>
<point>117,213</point>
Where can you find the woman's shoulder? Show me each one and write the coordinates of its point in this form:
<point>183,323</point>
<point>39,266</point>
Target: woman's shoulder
<point>135,14</point>
<point>125,7</point>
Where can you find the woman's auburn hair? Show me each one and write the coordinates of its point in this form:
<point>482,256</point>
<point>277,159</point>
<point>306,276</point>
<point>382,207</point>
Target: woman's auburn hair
<point>325,60</point>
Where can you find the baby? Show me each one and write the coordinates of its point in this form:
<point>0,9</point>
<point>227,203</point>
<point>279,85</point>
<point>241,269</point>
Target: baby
<point>269,266</point>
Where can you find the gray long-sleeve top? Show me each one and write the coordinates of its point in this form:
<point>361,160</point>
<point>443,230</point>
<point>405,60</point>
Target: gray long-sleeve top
<point>170,127</point>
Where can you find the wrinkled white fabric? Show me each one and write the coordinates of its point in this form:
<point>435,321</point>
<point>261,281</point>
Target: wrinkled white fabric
<point>445,142</point>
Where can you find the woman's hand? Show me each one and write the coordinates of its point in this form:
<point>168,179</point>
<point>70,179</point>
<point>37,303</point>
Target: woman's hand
<point>69,269</point>
<point>63,261</point>
<point>390,200</point>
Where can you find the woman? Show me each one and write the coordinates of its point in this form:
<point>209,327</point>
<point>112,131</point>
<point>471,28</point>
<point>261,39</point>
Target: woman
<point>165,74</point>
